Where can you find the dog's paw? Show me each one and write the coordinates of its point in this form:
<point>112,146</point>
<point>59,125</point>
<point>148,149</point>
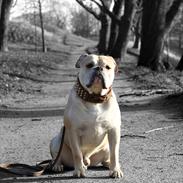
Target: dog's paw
<point>106,164</point>
<point>79,172</point>
<point>86,161</point>
<point>58,168</point>
<point>116,173</point>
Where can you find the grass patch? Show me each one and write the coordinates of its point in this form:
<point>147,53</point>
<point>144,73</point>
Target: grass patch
<point>17,68</point>
<point>146,79</point>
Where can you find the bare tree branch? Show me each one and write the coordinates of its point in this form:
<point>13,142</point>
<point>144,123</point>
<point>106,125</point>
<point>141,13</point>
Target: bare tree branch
<point>139,6</point>
<point>173,12</point>
<point>14,4</point>
<point>98,4</point>
<point>88,9</point>
<point>102,7</point>
<point>109,13</point>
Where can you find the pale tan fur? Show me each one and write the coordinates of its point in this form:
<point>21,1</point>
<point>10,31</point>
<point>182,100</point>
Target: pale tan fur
<point>92,133</point>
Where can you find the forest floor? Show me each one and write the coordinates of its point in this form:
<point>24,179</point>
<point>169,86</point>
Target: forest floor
<point>34,91</point>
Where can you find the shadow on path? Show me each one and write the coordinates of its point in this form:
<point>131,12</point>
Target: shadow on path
<point>170,106</point>
<point>5,177</point>
<point>31,112</point>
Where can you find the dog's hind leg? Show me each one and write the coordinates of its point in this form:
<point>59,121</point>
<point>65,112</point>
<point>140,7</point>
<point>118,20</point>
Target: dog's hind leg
<point>54,146</point>
<point>65,158</point>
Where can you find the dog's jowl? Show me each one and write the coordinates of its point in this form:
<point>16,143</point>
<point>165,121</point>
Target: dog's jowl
<point>92,120</point>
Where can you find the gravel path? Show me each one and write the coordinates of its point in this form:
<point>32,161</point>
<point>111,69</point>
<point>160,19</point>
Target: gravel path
<point>151,149</point>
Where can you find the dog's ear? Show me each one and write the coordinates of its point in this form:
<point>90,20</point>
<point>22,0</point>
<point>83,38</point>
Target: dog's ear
<point>116,69</point>
<point>81,58</point>
<point>115,63</point>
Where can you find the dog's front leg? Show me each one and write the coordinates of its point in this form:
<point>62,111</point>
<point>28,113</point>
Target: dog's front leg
<point>114,141</point>
<point>77,154</point>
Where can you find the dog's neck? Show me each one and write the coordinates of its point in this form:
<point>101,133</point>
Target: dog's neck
<point>93,98</point>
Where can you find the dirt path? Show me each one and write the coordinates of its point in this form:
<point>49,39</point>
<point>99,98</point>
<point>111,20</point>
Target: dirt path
<point>151,149</point>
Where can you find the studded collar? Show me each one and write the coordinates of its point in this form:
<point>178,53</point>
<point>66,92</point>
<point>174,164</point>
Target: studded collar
<point>93,98</point>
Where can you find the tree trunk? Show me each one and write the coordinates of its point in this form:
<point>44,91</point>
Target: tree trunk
<point>42,26</point>
<point>102,45</point>
<point>155,28</point>
<point>137,41</point>
<point>4,18</point>
<point>0,7</point>
<point>114,28</point>
<point>103,18</point>
<point>180,64</point>
<point>152,40</point>
<point>151,54</point>
<point>120,47</point>
<point>137,33</point>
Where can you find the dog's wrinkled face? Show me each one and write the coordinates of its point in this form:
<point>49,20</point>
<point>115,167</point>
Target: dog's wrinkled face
<point>96,73</point>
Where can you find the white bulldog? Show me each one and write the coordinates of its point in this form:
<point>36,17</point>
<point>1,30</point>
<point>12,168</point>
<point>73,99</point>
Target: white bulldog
<point>92,120</point>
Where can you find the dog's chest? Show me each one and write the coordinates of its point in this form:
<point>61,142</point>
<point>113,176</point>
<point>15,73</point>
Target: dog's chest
<point>94,118</point>
<point>91,123</point>
<point>95,130</point>
<point>91,135</point>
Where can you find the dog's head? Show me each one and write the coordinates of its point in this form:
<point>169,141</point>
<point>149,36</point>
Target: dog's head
<point>96,73</point>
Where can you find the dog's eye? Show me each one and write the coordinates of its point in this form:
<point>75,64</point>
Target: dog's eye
<point>107,67</point>
<point>90,65</point>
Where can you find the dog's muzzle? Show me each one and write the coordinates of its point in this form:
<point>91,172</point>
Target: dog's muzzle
<point>97,77</point>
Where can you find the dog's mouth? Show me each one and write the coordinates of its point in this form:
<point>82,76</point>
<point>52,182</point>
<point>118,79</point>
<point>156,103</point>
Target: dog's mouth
<point>98,80</point>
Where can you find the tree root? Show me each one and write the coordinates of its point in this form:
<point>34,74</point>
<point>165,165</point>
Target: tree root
<point>149,92</point>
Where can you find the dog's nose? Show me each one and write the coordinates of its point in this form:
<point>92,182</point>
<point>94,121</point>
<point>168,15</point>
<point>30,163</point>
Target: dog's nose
<point>99,68</point>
